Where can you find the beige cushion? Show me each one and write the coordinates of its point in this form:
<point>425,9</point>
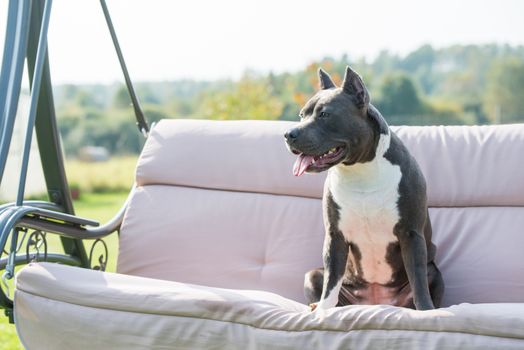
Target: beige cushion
<point>217,205</point>
<point>463,165</point>
<point>59,307</point>
<point>480,253</point>
<point>267,242</point>
<point>222,238</point>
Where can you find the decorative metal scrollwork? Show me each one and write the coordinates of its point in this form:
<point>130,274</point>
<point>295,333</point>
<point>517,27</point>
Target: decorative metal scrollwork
<point>20,241</point>
<point>36,246</point>
<point>102,258</point>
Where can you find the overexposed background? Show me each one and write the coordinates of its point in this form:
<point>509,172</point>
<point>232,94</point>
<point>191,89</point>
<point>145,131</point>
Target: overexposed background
<point>207,39</point>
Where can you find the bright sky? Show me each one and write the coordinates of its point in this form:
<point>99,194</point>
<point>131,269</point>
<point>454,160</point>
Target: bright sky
<point>210,39</point>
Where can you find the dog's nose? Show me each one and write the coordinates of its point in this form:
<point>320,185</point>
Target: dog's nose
<point>291,135</point>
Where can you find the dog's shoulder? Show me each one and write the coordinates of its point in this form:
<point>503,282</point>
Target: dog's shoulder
<point>398,154</point>
<point>412,201</point>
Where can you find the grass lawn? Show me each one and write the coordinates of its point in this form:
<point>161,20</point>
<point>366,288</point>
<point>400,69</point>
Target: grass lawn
<point>115,175</point>
<point>99,207</point>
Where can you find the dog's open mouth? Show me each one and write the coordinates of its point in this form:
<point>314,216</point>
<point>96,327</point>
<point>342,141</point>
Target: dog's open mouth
<point>318,163</point>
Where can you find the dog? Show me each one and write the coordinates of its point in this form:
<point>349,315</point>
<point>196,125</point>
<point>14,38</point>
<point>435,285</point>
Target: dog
<point>377,244</point>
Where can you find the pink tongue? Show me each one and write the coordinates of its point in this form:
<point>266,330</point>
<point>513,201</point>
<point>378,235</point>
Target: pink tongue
<point>301,164</point>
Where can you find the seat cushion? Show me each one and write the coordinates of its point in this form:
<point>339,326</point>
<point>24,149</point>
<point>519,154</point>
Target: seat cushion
<point>60,307</point>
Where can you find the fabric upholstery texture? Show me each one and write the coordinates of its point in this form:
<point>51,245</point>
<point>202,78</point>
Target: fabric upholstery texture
<point>58,307</point>
<point>211,237</point>
<point>463,165</point>
<point>222,198</point>
<point>225,233</point>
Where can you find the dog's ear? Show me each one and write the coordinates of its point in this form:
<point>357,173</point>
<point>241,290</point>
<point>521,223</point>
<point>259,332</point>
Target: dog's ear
<point>325,80</point>
<point>354,86</point>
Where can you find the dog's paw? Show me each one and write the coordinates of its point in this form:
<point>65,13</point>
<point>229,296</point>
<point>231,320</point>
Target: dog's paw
<point>313,306</point>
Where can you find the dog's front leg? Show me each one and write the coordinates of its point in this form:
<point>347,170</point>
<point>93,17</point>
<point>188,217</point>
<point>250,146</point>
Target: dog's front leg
<point>335,256</point>
<point>414,256</point>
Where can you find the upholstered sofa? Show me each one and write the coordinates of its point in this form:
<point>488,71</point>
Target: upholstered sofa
<point>218,235</point>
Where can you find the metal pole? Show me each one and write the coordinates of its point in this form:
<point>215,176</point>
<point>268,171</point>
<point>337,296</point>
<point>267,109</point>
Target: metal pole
<point>35,93</point>
<point>47,135</point>
<point>140,119</point>
<point>7,59</point>
<point>11,75</point>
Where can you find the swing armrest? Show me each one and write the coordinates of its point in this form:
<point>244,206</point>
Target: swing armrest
<point>44,216</point>
<point>40,217</point>
<point>67,219</point>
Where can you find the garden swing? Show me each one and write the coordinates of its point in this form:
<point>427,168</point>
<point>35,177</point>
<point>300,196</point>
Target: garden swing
<point>216,235</point>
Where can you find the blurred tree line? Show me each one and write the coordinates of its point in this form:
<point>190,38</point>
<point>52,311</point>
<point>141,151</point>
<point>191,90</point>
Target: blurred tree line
<point>454,85</point>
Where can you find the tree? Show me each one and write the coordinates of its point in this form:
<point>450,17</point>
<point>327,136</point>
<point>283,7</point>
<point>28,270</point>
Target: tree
<point>86,99</point>
<point>249,98</point>
<point>423,57</point>
<point>398,96</point>
<point>503,101</point>
<point>121,98</point>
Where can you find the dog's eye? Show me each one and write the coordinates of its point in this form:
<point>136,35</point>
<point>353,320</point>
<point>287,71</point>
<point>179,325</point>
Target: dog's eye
<point>323,115</point>
<point>301,116</point>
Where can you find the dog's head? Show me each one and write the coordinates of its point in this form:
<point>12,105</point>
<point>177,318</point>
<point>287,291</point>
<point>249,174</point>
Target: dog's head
<point>334,127</point>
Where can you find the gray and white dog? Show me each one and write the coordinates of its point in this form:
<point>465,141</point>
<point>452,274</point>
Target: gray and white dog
<point>377,245</point>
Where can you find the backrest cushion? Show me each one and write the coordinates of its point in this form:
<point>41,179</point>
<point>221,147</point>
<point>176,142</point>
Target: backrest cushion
<point>222,238</point>
<point>463,165</point>
<point>217,205</point>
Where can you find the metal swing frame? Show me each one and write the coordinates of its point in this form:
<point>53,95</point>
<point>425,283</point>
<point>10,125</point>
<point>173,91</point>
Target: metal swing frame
<point>26,223</point>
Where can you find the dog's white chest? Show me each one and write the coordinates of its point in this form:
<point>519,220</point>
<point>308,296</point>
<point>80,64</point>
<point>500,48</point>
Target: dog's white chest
<point>367,195</point>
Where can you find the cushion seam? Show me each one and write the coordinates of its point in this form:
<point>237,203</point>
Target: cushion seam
<point>316,198</point>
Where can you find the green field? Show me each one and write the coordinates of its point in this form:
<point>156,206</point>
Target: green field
<point>115,175</point>
<point>100,207</point>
